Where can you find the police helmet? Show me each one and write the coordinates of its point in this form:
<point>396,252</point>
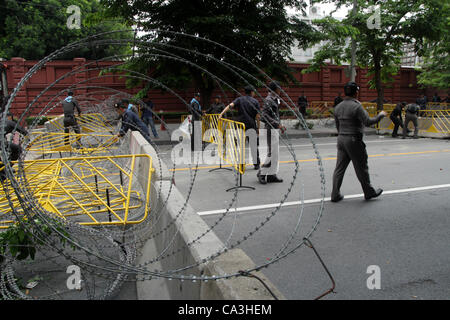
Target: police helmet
<point>351,88</point>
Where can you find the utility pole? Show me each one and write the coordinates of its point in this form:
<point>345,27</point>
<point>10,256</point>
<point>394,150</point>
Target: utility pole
<point>353,59</point>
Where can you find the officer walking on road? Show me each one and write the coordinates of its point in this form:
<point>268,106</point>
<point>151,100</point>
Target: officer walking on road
<point>411,114</point>
<point>351,118</point>
<point>69,105</point>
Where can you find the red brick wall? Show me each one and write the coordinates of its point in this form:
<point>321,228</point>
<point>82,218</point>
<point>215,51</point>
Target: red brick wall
<point>318,86</point>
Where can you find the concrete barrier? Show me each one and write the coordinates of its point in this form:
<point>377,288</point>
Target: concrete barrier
<point>427,128</point>
<point>182,228</point>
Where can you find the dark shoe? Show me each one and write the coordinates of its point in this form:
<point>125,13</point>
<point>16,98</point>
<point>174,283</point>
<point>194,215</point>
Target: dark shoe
<point>261,179</point>
<point>337,199</point>
<point>394,135</point>
<point>377,193</point>
<point>273,178</point>
<point>415,137</point>
<point>256,166</point>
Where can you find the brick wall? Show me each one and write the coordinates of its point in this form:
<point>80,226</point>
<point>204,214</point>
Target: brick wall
<point>318,86</point>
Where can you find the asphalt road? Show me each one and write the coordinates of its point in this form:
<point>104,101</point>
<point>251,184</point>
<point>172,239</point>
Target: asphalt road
<point>405,232</point>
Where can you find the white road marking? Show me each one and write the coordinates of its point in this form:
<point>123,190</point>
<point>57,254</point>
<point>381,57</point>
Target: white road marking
<point>318,200</point>
<point>282,145</point>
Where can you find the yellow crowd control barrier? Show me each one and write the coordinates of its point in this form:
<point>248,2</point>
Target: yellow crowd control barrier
<point>49,142</point>
<point>438,105</point>
<point>322,107</point>
<point>430,121</point>
<point>232,150</point>
<point>88,122</point>
<point>88,190</point>
<point>440,120</point>
<point>212,132</point>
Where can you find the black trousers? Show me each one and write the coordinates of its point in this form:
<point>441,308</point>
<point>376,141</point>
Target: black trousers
<point>70,122</point>
<point>351,148</point>
<point>397,123</point>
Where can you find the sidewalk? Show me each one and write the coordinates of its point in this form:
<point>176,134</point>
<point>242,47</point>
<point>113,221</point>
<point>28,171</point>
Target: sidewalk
<point>321,128</point>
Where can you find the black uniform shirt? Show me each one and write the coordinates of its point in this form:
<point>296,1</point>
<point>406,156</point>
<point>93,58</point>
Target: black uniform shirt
<point>397,112</point>
<point>247,108</point>
<point>216,108</point>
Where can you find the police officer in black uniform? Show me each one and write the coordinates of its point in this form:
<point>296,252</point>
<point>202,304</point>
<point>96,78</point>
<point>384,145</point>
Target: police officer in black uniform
<point>351,118</point>
<point>411,115</point>
<point>217,106</point>
<point>248,111</point>
<point>302,104</point>
<point>69,105</point>
<point>396,118</point>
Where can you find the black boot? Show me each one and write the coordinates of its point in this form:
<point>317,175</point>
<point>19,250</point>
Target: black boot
<point>273,178</point>
<point>341,197</point>
<point>376,194</point>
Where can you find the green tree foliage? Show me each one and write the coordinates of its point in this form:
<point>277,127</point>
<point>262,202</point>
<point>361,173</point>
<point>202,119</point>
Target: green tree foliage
<point>379,47</point>
<point>435,70</point>
<point>33,29</point>
<point>260,31</point>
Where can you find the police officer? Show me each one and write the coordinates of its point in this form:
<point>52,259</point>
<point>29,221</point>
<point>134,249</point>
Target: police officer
<point>302,104</point>
<point>351,118</point>
<point>396,118</point>
<point>271,118</point>
<point>69,105</point>
<point>147,116</point>
<point>248,110</point>
<point>411,115</point>
<point>217,106</point>
<point>195,110</point>
<point>337,100</point>
<point>130,120</point>
<point>14,149</point>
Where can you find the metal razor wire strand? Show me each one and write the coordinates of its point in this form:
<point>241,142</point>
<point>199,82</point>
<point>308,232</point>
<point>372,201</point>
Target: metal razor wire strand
<point>302,120</point>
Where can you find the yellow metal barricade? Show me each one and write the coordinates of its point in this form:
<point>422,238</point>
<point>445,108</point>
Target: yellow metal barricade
<point>437,105</point>
<point>322,108</point>
<point>232,150</point>
<point>88,122</point>
<point>50,142</point>
<point>212,131</point>
<point>88,190</point>
<point>439,120</point>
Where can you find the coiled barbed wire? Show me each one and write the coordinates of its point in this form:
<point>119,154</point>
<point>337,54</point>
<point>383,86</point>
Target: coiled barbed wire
<point>123,268</point>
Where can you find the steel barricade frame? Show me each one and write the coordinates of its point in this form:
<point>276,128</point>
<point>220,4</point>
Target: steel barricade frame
<point>80,192</point>
<point>234,144</point>
<point>50,142</point>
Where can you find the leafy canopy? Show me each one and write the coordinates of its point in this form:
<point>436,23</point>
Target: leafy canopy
<point>34,29</point>
<point>380,46</point>
<point>259,30</point>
